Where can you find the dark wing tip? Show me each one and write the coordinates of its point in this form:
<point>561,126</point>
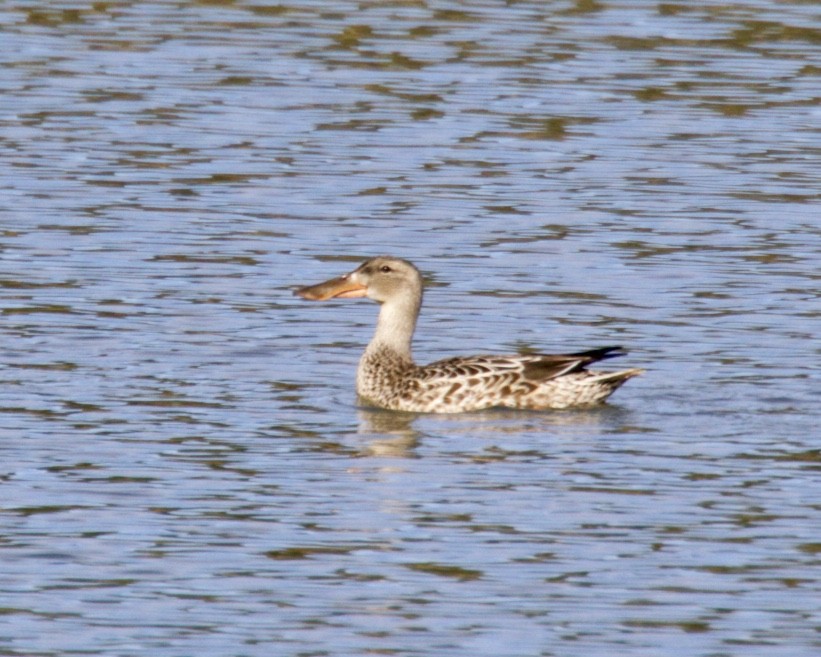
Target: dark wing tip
<point>551,367</point>
<point>602,353</point>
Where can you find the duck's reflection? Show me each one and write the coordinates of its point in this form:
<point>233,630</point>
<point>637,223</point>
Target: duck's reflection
<point>395,434</point>
<point>387,433</point>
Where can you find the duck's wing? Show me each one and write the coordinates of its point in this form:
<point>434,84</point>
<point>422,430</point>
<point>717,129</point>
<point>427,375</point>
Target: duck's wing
<point>535,368</point>
<point>550,366</point>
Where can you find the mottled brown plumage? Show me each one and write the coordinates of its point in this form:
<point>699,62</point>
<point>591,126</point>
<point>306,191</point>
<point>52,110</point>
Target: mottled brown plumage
<point>387,376</point>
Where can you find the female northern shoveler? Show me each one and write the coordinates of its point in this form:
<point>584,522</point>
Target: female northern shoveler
<point>388,377</point>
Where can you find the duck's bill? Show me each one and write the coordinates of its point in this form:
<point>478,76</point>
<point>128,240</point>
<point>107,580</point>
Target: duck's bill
<point>336,288</point>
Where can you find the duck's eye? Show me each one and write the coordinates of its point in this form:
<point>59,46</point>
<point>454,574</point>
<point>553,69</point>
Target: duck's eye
<point>385,269</point>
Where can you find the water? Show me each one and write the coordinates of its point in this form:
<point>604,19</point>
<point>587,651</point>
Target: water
<point>185,470</point>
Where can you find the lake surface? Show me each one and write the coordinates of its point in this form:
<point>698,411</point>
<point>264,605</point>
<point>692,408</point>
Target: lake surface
<point>185,470</point>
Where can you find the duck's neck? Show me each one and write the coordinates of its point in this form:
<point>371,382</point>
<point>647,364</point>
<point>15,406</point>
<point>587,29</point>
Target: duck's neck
<point>394,330</point>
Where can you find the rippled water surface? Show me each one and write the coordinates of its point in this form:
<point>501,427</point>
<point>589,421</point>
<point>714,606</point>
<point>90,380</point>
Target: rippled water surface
<point>185,470</point>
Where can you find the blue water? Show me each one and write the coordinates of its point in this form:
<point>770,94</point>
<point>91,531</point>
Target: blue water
<point>185,468</point>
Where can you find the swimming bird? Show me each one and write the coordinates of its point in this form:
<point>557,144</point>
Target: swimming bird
<point>387,376</point>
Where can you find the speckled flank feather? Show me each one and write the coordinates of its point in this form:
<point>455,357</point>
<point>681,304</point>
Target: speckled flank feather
<point>387,376</point>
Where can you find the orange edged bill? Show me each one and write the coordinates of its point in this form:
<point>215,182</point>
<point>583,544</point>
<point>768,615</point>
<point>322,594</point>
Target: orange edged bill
<point>336,288</point>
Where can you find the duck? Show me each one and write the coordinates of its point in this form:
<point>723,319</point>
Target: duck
<point>388,377</point>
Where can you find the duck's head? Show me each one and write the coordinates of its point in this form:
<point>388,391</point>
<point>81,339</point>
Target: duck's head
<point>382,278</point>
